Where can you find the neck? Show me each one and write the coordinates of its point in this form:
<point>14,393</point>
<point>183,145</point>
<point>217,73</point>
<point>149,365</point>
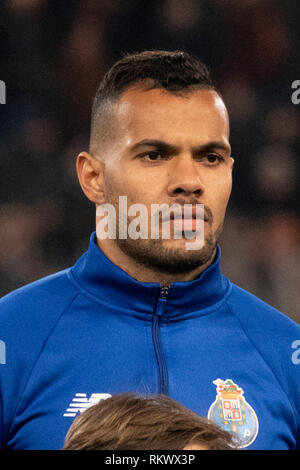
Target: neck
<point>143,273</point>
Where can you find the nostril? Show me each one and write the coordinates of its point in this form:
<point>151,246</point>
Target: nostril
<point>179,191</point>
<point>197,192</point>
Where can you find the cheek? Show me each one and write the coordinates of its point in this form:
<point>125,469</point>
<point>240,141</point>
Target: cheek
<point>137,188</point>
<point>220,198</point>
<point>116,182</point>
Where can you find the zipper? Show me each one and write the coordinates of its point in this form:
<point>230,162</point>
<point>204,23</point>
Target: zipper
<point>163,380</point>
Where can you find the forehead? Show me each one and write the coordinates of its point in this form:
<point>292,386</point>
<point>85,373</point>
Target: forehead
<point>159,113</point>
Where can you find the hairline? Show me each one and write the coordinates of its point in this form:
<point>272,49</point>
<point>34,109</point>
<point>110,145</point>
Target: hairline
<point>107,104</point>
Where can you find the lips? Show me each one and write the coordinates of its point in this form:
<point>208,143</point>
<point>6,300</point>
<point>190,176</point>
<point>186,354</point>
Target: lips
<point>185,224</point>
<point>187,213</point>
<point>186,218</point>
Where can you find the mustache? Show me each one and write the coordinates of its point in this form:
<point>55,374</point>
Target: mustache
<point>178,212</point>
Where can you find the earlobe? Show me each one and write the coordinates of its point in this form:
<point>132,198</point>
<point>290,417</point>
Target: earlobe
<point>90,175</point>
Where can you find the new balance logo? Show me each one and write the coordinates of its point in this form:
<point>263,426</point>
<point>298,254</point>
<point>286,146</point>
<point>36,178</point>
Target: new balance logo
<point>80,403</point>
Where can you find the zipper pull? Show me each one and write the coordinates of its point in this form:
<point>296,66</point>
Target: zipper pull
<point>164,292</point>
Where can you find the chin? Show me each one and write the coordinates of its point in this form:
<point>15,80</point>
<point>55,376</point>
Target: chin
<point>168,255</point>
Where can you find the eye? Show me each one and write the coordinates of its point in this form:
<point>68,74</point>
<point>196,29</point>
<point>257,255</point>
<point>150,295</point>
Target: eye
<point>152,156</point>
<point>213,159</point>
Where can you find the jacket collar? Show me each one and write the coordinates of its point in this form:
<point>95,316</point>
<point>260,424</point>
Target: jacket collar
<point>110,285</point>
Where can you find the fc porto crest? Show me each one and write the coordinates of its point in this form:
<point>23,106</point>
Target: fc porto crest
<point>231,412</point>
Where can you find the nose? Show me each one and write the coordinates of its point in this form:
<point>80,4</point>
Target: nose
<point>184,177</point>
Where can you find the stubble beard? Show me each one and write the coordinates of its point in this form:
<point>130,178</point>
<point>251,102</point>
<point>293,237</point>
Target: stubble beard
<point>155,254</point>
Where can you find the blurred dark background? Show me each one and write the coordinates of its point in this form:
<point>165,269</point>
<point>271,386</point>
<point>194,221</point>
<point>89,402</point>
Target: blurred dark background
<point>53,55</point>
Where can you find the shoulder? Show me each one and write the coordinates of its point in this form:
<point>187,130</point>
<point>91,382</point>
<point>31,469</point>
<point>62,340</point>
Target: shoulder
<point>274,335</point>
<point>259,316</point>
<point>28,316</point>
<point>36,306</point>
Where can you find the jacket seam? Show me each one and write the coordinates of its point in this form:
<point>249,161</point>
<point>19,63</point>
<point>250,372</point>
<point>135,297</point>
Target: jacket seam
<point>35,363</point>
<point>203,312</point>
<point>167,319</point>
<point>291,402</point>
<point>83,291</point>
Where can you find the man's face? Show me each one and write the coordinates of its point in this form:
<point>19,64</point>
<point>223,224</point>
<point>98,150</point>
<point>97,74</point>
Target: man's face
<point>170,149</point>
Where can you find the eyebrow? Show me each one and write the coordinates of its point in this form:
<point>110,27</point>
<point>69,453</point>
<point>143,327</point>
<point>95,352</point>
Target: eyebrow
<point>173,149</point>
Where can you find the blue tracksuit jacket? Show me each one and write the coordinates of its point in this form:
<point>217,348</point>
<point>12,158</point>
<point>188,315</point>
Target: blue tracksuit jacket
<point>90,331</point>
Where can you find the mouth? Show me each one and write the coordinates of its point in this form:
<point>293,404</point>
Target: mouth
<point>186,214</point>
<point>187,218</point>
<point>186,224</point>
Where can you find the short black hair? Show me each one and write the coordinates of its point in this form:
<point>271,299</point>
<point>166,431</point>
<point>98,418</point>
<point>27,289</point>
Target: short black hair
<point>174,71</point>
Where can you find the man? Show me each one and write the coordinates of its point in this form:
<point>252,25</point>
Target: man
<point>148,314</point>
<point>132,422</point>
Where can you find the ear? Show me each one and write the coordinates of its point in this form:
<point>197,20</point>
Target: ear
<point>90,175</point>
